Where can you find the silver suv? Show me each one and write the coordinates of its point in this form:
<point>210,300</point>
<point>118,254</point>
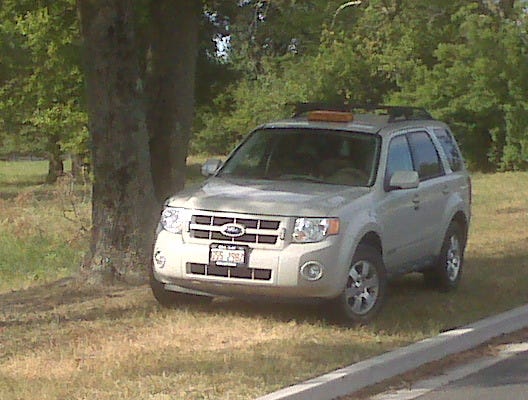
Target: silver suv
<point>327,205</point>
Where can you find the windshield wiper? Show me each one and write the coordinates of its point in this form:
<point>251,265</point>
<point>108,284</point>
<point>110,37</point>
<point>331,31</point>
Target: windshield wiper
<point>306,178</point>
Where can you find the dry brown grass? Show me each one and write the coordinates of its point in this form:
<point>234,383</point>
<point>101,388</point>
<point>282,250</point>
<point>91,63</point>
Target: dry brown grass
<point>68,341</point>
<point>108,344</point>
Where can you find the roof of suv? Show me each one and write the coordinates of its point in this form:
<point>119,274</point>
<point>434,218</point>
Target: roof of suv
<point>368,119</point>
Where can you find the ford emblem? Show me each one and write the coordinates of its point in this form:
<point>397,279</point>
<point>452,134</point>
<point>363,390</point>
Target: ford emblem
<point>233,230</point>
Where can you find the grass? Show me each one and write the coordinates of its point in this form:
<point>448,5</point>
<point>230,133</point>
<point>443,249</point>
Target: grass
<point>63,340</point>
<point>42,227</point>
<point>16,176</point>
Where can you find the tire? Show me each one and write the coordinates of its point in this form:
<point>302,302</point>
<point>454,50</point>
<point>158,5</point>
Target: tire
<point>170,299</point>
<point>446,273</point>
<point>365,289</point>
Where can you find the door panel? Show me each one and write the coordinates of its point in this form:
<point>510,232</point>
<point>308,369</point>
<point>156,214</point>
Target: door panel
<point>400,211</point>
<point>433,189</point>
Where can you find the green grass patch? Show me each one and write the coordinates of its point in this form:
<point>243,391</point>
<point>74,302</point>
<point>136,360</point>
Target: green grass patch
<point>35,259</point>
<point>42,227</point>
<point>66,340</point>
<point>16,176</point>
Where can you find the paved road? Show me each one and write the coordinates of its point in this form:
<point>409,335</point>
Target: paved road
<point>506,380</point>
<point>500,377</point>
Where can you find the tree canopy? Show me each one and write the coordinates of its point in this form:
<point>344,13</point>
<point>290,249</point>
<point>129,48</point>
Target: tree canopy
<point>41,93</point>
<point>466,61</point>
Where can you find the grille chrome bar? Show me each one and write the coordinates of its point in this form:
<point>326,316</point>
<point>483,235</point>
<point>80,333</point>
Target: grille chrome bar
<point>257,230</point>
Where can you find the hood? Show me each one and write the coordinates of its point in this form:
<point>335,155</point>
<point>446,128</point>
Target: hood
<point>286,198</point>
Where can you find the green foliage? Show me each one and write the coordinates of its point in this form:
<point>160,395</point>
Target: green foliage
<point>41,83</point>
<point>248,104</point>
<point>479,85</point>
<point>261,30</point>
<point>348,70</point>
<point>467,62</point>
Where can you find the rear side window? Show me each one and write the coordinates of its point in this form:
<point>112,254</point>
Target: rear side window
<point>426,160</point>
<point>450,148</point>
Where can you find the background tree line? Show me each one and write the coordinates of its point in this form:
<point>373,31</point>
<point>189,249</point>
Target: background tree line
<point>165,77</point>
<point>466,61</point>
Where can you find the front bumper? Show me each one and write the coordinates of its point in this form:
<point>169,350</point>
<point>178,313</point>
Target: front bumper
<point>272,271</point>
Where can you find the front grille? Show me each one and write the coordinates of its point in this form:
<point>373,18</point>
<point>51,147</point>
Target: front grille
<point>254,274</point>
<point>261,231</point>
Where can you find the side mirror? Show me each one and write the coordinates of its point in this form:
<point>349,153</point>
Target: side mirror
<point>211,166</point>
<point>404,180</point>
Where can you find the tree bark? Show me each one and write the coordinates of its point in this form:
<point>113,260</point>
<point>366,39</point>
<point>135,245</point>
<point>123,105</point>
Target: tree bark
<point>123,205</point>
<point>170,88</point>
<point>507,7</point>
<point>80,168</point>
<point>56,165</point>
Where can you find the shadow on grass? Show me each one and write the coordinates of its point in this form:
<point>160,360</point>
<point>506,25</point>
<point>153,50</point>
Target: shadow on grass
<point>32,305</point>
<point>23,183</point>
<point>44,192</point>
<point>409,303</point>
<point>10,190</point>
<point>489,285</point>
<point>276,310</point>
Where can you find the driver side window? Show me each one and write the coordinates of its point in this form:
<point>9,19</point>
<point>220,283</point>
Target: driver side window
<point>398,158</point>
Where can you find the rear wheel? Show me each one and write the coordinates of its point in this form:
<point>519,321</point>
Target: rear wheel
<point>446,273</point>
<point>365,288</point>
<point>168,298</point>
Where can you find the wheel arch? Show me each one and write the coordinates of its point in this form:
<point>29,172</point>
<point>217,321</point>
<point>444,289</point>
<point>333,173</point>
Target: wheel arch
<point>461,220</point>
<point>372,239</point>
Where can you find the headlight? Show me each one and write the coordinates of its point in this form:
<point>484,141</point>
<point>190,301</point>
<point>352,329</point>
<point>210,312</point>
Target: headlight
<point>310,230</point>
<point>173,219</point>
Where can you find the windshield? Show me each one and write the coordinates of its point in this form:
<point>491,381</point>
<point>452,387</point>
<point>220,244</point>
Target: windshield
<point>318,155</point>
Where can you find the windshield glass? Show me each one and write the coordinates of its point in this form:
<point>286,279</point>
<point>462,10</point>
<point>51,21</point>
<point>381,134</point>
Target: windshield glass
<point>318,155</point>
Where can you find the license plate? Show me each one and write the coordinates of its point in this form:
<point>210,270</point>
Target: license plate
<point>227,255</point>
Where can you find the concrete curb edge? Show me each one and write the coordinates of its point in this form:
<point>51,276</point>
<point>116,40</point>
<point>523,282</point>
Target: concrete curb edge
<point>374,370</point>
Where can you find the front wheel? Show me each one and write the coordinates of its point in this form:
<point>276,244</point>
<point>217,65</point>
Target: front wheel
<point>365,288</point>
<point>446,273</point>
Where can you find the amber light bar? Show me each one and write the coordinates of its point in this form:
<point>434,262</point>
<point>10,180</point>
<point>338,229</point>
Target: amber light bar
<point>330,116</point>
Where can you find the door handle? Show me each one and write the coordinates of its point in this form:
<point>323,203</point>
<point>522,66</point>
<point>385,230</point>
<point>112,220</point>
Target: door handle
<point>445,190</point>
<point>416,202</point>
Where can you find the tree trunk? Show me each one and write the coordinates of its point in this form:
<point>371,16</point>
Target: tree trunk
<point>170,87</point>
<point>123,204</point>
<point>507,8</point>
<point>56,166</point>
<point>80,168</point>
<point>76,167</point>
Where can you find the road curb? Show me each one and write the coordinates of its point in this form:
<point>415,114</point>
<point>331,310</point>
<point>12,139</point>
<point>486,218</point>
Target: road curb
<point>374,370</point>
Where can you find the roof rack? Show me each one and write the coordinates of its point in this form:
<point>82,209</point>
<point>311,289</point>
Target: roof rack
<point>395,113</point>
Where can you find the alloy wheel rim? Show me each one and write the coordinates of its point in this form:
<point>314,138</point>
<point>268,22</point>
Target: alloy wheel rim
<point>362,290</point>
<point>453,259</point>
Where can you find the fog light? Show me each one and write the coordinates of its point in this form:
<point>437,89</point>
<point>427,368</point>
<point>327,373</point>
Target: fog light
<point>312,271</point>
<point>159,259</point>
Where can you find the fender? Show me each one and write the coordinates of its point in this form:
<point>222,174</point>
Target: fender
<point>455,205</point>
<point>363,223</point>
